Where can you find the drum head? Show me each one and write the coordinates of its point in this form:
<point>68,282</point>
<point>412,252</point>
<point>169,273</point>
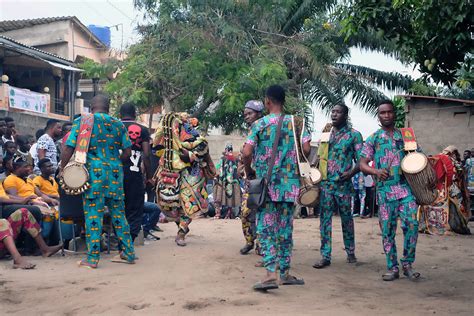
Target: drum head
<point>308,196</point>
<point>414,163</point>
<point>74,176</point>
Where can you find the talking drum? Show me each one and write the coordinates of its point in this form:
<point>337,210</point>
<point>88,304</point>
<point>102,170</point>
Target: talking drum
<point>421,177</point>
<point>309,191</point>
<point>74,179</point>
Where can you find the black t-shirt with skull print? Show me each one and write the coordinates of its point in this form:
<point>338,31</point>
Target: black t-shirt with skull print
<point>138,134</point>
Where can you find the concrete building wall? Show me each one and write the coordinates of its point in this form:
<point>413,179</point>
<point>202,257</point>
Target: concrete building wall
<point>84,46</point>
<point>217,144</point>
<point>63,38</point>
<point>50,37</point>
<point>438,124</point>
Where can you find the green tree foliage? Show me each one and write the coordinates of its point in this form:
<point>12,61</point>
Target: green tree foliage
<point>94,70</point>
<point>400,113</point>
<point>210,57</point>
<point>435,34</point>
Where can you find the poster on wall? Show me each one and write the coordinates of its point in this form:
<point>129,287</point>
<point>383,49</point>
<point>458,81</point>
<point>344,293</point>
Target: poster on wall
<point>27,100</point>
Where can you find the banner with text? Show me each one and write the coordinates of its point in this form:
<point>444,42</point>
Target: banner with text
<point>24,99</point>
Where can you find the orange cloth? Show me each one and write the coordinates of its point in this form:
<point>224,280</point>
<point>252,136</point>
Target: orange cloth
<point>2,192</point>
<point>48,187</point>
<point>24,188</point>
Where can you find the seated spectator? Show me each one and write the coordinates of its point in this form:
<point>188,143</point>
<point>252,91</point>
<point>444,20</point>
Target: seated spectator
<point>9,148</point>
<point>34,147</point>
<point>151,216</point>
<point>10,229</point>
<point>46,182</point>
<point>23,148</point>
<point>19,185</point>
<point>7,165</point>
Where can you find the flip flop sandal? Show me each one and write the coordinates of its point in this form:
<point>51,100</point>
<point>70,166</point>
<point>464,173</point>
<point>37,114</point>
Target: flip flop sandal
<point>119,259</point>
<point>291,280</point>
<point>265,286</point>
<point>390,276</point>
<point>411,275</point>
<point>322,264</point>
<point>154,236</point>
<point>85,264</point>
<point>246,249</point>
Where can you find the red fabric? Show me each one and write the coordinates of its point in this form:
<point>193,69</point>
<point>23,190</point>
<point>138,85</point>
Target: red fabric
<point>444,170</point>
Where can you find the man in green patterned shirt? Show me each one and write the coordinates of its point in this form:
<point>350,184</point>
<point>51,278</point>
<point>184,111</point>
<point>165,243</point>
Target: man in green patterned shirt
<point>104,163</point>
<point>345,145</point>
<point>275,218</point>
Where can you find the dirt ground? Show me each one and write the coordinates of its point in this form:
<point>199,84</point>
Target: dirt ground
<point>210,277</point>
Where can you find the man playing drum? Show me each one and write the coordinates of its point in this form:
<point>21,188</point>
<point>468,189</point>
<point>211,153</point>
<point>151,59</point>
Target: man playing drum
<point>345,145</point>
<point>104,163</point>
<point>394,196</point>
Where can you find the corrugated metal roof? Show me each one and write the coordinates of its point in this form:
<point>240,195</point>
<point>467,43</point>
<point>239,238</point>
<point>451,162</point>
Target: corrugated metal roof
<point>32,51</point>
<point>437,99</point>
<point>10,25</point>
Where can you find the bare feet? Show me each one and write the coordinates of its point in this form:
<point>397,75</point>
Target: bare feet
<point>22,263</point>
<point>49,251</point>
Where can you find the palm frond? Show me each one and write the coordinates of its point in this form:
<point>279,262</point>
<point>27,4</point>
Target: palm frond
<point>321,95</point>
<point>383,79</point>
<point>302,10</point>
<point>315,68</point>
<point>370,41</point>
<point>362,94</point>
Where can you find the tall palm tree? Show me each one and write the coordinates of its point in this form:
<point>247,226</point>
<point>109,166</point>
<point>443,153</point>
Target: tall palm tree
<point>231,49</point>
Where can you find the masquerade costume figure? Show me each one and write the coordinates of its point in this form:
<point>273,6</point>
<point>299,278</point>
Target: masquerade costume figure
<point>228,193</point>
<point>184,166</point>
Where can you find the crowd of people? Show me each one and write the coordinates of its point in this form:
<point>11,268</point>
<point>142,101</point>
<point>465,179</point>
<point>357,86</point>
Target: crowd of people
<point>358,179</point>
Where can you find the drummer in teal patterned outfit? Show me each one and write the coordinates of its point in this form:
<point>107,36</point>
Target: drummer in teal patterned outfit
<point>104,163</point>
<point>394,196</point>
<point>275,218</point>
<point>345,145</point>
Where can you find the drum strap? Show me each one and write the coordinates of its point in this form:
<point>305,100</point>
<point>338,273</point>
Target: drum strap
<point>84,137</point>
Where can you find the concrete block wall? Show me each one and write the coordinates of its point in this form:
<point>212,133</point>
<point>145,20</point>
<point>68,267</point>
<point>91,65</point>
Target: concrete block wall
<point>440,124</point>
<point>27,123</point>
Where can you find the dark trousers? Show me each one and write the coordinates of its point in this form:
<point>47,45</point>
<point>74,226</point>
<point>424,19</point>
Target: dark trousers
<point>134,189</point>
<point>151,216</point>
<point>370,201</point>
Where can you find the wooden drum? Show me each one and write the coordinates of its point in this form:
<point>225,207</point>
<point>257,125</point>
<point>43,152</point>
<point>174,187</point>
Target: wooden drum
<point>309,193</point>
<point>421,177</point>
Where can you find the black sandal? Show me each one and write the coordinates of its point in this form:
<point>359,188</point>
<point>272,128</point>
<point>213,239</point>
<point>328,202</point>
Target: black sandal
<point>246,249</point>
<point>411,274</point>
<point>291,280</point>
<point>322,264</point>
<point>391,276</point>
<point>351,259</point>
<point>265,286</point>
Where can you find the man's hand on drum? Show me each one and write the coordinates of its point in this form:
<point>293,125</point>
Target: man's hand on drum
<point>382,174</point>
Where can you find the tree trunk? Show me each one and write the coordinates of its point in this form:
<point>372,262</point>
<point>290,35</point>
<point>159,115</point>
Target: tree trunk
<point>150,120</point>
<point>95,85</point>
<point>166,105</point>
